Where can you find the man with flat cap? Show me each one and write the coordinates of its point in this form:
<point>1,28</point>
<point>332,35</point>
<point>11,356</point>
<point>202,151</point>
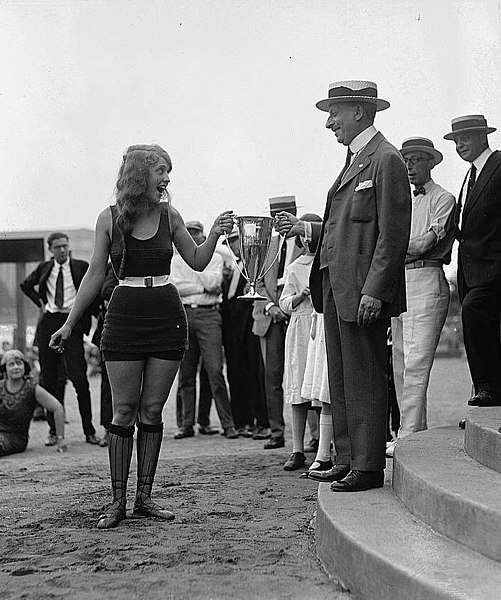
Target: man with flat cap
<point>478,230</point>
<point>416,332</point>
<point>358,280</point>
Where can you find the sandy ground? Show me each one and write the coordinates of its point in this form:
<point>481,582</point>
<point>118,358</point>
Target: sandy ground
<point>243,526</point>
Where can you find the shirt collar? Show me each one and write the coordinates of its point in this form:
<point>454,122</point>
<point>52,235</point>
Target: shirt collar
<point>63,264</point>
<point>480,161</point>
<point>362,139</point>
<point>429,184</point>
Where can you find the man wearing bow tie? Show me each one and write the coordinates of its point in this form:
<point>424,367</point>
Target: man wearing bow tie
<point>478,230</point>
<point>416,332</point>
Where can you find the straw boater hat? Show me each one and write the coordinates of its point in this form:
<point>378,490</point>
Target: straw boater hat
<point>470,124</point>
<point>279,203</point>
<point>352,91</point>
<point>421,144</point>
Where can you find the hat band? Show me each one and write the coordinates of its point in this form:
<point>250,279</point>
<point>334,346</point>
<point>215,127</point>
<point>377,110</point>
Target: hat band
<point>412,143</point>
<point>344,91</point>
<point>469,124</point>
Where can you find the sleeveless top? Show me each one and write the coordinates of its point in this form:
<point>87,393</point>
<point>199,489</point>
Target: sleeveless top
<point>16,410</point>
<point>151,256</point>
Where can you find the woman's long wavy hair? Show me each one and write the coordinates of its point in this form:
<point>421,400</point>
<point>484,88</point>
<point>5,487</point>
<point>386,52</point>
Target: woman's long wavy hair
<point>131,188</point>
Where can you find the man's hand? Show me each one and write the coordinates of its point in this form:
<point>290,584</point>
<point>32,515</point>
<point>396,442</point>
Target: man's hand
<point>369,310</point>
<point>276,314</point>
<point>288,225</point>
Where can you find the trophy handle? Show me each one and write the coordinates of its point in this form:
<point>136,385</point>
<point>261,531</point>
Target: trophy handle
<point>280,244</point>
<point>244,274</point>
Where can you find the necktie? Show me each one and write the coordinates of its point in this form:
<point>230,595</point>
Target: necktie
<point>59,297</point>
<point>281,264</point>
<point>461,205</point>
<point>349,156</point>
<point>418,191</point>
<point>471,181</point>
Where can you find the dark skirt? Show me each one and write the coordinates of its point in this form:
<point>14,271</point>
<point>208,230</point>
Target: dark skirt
<point>144,321</point>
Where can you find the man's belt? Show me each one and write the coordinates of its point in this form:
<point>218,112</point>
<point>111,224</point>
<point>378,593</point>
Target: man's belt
<point>206,306</point>
<point>149,281</point>
<point>419,264</point>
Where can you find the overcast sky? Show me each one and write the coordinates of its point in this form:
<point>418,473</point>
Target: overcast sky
<point>228,87</point>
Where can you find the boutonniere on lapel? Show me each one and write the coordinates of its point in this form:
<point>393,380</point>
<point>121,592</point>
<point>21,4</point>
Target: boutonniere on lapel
<point>364,185</point>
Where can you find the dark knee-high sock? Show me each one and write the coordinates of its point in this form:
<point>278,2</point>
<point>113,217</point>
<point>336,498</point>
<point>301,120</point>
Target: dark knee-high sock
<point>120,446</point>
<point>149,441</point>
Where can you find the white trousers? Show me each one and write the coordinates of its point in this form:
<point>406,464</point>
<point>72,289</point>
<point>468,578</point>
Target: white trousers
<point>415,335</point>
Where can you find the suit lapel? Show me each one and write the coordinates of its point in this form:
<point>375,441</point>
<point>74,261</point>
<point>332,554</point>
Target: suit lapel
<point>362,160</point>
<point>491,165</point>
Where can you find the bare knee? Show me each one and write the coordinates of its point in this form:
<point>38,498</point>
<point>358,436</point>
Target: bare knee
<point>124,415</point>
<point>151,413</point>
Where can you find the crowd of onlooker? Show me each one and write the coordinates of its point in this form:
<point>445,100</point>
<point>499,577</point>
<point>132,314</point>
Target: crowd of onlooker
<point>247,357</point>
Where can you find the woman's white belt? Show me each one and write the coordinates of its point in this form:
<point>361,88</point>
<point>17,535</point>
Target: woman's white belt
<point>149,281</point>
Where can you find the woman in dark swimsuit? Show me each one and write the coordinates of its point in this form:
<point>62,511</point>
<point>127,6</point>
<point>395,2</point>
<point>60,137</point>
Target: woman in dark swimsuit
<point>19,397</point>
<point>145,333</point>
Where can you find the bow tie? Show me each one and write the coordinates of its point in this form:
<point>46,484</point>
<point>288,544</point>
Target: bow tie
<point>418,191</point>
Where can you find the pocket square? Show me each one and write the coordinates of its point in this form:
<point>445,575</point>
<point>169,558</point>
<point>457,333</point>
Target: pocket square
<point>364,185</point>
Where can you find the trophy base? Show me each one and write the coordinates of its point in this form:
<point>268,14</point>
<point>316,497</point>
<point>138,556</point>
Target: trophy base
<point>252,296</point>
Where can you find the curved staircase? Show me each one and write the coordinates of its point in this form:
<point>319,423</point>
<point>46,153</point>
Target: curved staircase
<point>433,532</point>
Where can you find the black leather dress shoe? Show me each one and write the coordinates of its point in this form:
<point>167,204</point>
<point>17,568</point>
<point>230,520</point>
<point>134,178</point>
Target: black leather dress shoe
<point>296,460</point>
<point>92,439</point>
<point>484,398</point>
<point>359,481</point>
<point>462,424</point>
<point>207,430</point>
<point>184,433</point>
<point>335,474</point>
<point>275,443</point>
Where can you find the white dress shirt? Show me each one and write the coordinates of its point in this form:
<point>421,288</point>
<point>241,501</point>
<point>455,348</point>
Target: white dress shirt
<point>70,291</point>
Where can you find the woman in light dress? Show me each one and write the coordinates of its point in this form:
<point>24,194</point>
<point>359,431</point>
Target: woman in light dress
<point>295,301</point>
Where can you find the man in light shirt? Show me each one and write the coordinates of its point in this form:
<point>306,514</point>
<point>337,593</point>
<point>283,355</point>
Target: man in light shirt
<point>201,294</point>
<point>416,332</point>
<point>53,286</point>
<point>478,230</point>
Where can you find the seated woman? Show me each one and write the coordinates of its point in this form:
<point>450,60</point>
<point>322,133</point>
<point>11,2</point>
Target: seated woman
<point>18,399</point>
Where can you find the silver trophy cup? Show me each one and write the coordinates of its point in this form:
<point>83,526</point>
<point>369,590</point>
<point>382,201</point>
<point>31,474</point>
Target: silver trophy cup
<point>254,240</point>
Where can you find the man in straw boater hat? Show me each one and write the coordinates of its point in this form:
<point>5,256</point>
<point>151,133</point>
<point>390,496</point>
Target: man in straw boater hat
<point>478,230</point>
<point>358,280</point>
<point>416,332</point>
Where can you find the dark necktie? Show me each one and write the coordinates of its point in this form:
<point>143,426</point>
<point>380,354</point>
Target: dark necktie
<point>471,182</point>
<point>460,205</point>
<point>281,263</point>
<point>349,155</point>
<point>418,191</point>
<point>59,297</point>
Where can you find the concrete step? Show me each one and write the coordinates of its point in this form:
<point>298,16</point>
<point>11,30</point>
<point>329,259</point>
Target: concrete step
<point>482,439</point>
<point>379,551</point>
<point>444,487</point>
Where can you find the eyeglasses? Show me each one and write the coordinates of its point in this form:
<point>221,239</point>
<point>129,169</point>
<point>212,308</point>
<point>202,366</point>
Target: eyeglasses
<point>414,159</point>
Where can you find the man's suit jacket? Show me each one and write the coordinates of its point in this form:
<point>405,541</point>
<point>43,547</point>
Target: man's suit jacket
<point>268,287</point>
<point>365,233</point>
<point>35,287</point>
<point>479,256</point>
